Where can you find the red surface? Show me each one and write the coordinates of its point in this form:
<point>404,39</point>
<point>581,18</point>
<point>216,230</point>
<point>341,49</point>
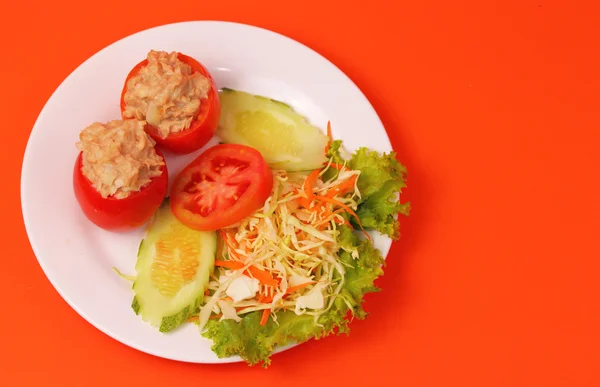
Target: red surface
<point>493,107</point>
<point>224,185</point>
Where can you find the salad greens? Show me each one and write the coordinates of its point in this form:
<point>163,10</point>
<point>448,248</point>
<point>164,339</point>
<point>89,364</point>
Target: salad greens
<point>255,343</point>
<point>380,181</point>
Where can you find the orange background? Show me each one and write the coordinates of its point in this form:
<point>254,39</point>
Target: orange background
<point>494,108</point>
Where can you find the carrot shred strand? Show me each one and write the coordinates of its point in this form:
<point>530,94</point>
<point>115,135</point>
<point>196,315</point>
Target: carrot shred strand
<point>298,287</point>
<point>233,265</point>
<point>345,207</point>
<point>265,317</point>
<point>342,188</point>
<point>309,184</point>
<point>328,145</point>
<point>262,276</point>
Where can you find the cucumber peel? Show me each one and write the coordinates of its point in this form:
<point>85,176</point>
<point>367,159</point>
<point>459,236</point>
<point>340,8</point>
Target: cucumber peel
<point>284,138</point>
<point>173,267</point>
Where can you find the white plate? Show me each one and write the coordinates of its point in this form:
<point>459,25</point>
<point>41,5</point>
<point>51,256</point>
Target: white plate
<point>75,255</point>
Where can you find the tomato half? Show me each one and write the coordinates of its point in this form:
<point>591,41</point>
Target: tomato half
<point>223,185</point>
<point>119,214</point>
<point>205,122</point>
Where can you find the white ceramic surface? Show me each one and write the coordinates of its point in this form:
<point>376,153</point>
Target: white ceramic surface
<point>75,255</point>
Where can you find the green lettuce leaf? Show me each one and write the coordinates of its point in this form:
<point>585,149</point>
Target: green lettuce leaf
<point>255,343</point>
<point>334,152</point>
<point>381,181</point>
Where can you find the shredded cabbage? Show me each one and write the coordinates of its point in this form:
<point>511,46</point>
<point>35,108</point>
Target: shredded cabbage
<point>124,276</point>
<point>323,281</point>
<point>289,245</point>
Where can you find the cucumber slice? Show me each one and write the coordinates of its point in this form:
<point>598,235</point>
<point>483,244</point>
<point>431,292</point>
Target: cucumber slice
<point>284,138</point>
<point>173,267</point>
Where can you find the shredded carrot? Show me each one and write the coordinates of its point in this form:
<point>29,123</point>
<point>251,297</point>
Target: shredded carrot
<point>232,253</point>
<point>342,188</point>
<point>309,184</point>
<point>265,317</point>
<point>233,265</point>
<point>342,221</point>
<point>230,240</point>
<point>345,207</point>
<point>223,235</point>
<point>215,316</point>
<point>298,287</point>
<point>207,292</point>
<point>263,276</point>
<point>304,202</point>
<point>330,137</point>
<point>325,223</point>
<point>265,299</point>
<point>338,211</point>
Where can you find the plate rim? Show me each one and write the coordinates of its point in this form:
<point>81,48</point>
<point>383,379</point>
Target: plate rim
<point>28,224</point>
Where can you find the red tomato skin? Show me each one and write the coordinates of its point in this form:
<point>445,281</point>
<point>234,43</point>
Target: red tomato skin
<point>252,199</point>
<point>204,125</point>
<point>119,214</point>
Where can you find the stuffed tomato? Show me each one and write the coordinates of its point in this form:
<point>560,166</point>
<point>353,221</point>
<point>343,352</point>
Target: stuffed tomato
<point>177,98</point>
<point>119,178</point>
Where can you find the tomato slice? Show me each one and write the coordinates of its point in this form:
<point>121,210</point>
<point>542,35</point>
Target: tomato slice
<point>119,214</point>
<point>223,185</point>
<point>205,122</point>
